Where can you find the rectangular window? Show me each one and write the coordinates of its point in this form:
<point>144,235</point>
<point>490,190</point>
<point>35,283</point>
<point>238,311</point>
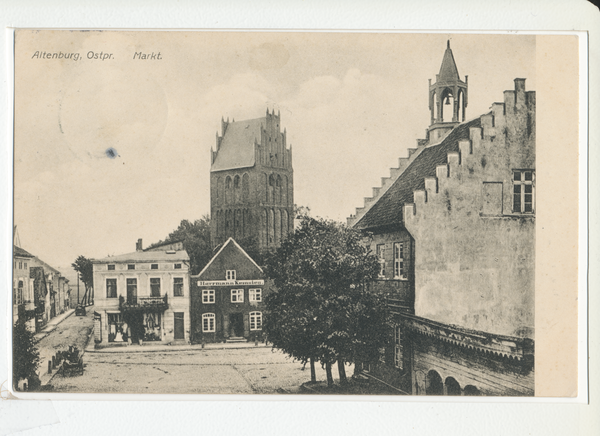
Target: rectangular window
<point>25,265</point>
<point>255,320</point>
<point>255,295</point>
<point>398,348</point>
<point>381,257</point>
<point>399,266</point>
<point>154,266</point>
<point>208,296</point>
<point>20,265</point>
<point>523,191</point>
<point>177,266</point>
<point>230,274</point>
<point>131,291</point>
<point>111,267</point>
<point>237,295</point>
<point>111,288</point>
<point>131,266</point>
<point>155,287</point>
<point>208,322</point>
<point>178,286</point>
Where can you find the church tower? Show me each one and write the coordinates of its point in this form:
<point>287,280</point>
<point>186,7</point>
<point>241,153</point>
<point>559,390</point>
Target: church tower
<point>251,183</point>
<point>448,98</point>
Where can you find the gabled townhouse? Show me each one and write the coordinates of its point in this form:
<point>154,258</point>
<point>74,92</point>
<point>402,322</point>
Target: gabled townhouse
<point>227,297</point>
<point>454,229</point>
<point>143,296</point>
<point>23,296</point>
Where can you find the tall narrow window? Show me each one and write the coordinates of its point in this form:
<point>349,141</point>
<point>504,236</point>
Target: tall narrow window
<point>398,348</point>
<point>523,191</point>
<point>155,287</point>
<point>381,257</point>
<point>255,320</point>
<point>178,286</point>
<point>131,291</point>
<point>399,269</point>
<point>111,288</point>
<point>208,322</point>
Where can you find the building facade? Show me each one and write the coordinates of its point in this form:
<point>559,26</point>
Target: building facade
<point>23,295</point>
<point>251,183</point>
<point>227,297</point>
<point>142,296</point>
<point>454,227</point>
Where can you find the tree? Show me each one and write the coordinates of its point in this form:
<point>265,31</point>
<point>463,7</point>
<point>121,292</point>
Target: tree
<point>84,267</point>
<point>25,355</point>
<point>196,241</point>
<point>320,308</point>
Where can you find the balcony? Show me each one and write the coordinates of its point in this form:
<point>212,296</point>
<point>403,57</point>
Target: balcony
<point>144,304</point>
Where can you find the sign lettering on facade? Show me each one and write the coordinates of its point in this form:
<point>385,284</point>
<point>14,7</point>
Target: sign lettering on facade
<point>230,282</point>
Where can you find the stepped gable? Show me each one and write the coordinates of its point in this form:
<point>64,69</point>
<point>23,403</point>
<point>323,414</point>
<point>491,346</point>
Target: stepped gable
<point>236,148</point>
<point>388,210</point>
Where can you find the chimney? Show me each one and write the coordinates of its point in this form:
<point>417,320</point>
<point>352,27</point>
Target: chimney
<point>138,245</point>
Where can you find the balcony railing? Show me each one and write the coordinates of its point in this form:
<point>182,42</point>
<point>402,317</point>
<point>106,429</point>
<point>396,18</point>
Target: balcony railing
<point>144,304</point>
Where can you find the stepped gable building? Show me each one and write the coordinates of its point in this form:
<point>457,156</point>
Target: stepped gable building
<point>454,229</point>
<point>147,291</point>
<point>251,183</point>
<point>227,297</point>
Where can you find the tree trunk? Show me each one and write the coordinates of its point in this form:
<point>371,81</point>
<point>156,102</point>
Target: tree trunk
<point>342,372</point>
<point>329,375</point>
<point>313,374</point>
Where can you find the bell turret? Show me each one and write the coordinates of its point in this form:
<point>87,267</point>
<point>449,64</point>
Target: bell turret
<point>448,94</point>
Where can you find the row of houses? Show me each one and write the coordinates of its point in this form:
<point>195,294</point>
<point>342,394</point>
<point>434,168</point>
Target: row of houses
<point>40,292</point>
<point>150,296</point>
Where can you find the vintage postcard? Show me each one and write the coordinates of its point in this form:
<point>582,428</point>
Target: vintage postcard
<point>308,213</point>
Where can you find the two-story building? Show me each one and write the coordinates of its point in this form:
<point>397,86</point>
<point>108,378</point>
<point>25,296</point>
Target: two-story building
<point>143,296</point>
<point>227,297</point>
<point>23,297</point>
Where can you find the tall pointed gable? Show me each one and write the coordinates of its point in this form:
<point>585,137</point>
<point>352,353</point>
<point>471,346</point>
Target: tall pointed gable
<point>448,70</point>
<point>231,256</point>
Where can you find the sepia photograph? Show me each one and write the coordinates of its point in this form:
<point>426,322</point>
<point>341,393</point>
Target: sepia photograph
<point>293,213</point>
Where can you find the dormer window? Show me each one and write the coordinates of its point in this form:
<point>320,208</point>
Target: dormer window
<point>230,274</point>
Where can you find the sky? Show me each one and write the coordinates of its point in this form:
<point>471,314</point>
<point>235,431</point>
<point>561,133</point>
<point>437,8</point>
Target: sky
<point>352,104</point>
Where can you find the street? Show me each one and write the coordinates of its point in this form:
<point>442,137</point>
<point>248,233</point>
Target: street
<point>257,370</point>
<point>74,330</point>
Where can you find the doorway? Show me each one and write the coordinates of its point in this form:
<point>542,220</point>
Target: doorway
<point>179,330</point>
<point>236,325</point>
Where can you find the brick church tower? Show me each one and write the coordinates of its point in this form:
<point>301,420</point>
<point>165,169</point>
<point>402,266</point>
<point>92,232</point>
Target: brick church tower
<point>251,183</point>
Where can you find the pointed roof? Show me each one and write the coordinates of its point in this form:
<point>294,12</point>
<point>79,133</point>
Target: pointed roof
<point>237,145</point>
<point>18,251</point>
<point>232,242</point>
<point>448,70</point>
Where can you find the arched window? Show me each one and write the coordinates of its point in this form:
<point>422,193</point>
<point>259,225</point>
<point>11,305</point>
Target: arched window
<point>270,197</point>
<point>277,227</point>
<point>284,190</point>
<point>434,384</point>
<point>216,191</point>
<point>278,189</point>
<point>284,224</point>
<point>472,391</point>
<point>271,234</point>
<point>237,189</point>
<point>452,387</point>
<point>245,188</point>
<point>255,320</point>
<point>228,190</point>
<point>208,322</point>
<point>263,228</point>
<point>265,188</point>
